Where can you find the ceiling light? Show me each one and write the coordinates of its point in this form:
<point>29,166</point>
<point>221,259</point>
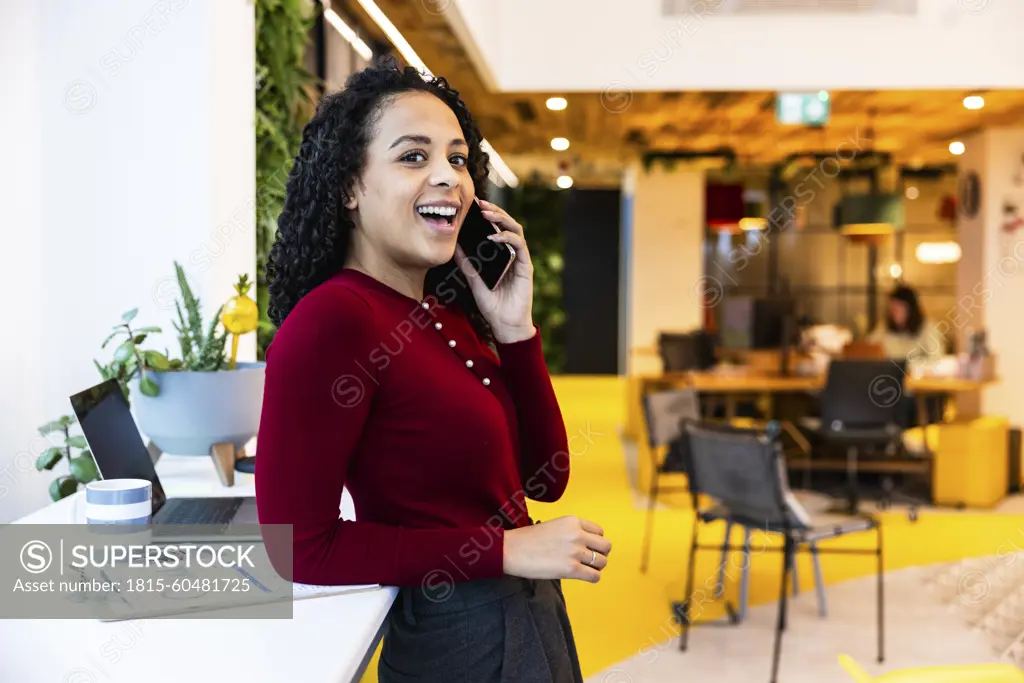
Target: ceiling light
<point>557,103</point>
<point>564,182</point>
<point>957,148</point>
<point>895,271</point>
<point>974,101</point>
<point>348,34</point>
<point>912,193</point>
<point>498,165</point>
<point>559,144</point>
<point>395,36</point>
<point>938,252</point>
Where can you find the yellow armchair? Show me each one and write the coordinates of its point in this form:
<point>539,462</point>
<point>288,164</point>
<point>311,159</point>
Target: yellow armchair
<point>980,673</point>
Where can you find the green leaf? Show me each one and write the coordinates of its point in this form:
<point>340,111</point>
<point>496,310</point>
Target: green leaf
<point>148,386</point>
<point>62,487</point>
<point>83,468</point>
<point>156,360</point>
<point>124,351</point>
<point>68,420</point>
<point>130,315</point>
<point>49,458</point>
<point>176,364</point>
<point>51,427</point>
<point>138,339</point>
<point>120,330</point>
<point>148,329</point>
<point>77,442</point>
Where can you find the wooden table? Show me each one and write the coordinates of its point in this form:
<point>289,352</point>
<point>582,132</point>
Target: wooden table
<point>732,385</point>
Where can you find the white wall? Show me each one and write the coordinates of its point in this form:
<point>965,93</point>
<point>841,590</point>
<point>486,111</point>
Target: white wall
<point>991,282</point>
<point>599,45</point>
<point>664,262</point>
<point>139,125</point>
<point>22,274</point>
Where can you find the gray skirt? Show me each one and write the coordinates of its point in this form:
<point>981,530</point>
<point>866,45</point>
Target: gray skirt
<point>507,630</point>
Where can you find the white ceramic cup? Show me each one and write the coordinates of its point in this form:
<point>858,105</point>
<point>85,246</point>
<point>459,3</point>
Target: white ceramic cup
<point>119,501</point>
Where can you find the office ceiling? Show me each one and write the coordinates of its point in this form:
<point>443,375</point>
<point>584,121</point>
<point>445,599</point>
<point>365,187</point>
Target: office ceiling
<point>609,129</point>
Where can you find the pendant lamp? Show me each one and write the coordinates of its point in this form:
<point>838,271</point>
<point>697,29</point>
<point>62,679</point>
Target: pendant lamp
<point>724,207</point>
<point>869,217</point>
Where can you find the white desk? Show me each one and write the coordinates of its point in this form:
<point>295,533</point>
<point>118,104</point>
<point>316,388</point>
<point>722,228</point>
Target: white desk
<point>328,639</point>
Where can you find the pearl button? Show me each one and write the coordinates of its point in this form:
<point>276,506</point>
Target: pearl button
<point>452,343</point>
<point>437,326</point>
<point>425,305</point>
<point>469,363</point>
<point>487,382</point>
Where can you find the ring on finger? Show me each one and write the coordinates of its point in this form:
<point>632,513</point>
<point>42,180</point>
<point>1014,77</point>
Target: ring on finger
<point>593,558</point>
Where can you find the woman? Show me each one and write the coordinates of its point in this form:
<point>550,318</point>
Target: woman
<point>397,374</point>
<point>906,334</point>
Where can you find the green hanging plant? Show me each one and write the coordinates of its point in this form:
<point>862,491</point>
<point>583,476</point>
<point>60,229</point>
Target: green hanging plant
<point>539,209</point>
<point>285,99</point>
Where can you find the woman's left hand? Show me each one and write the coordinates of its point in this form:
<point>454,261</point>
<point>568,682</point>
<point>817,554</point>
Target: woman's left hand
<point>509,307</point>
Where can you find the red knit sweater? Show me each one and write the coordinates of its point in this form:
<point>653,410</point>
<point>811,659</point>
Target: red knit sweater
<point>438,440</point>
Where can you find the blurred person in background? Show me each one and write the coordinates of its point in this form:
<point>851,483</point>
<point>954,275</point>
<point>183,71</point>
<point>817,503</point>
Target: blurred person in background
<point>906,333</point>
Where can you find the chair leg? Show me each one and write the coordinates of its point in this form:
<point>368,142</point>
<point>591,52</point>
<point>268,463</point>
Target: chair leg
<point>745,574</point>
<point>819,581</point>
<point>851,480</point>
<point>652,497</point>
<point>688,596</point>
<point>720,585</point>
<point>881,598</point>
<point>780,626</point>
<point>796,576</point>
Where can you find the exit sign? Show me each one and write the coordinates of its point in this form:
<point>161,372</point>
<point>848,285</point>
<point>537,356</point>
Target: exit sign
<point>803,109</point>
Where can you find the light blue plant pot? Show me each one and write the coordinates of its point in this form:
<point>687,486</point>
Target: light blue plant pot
<point>195,410</point>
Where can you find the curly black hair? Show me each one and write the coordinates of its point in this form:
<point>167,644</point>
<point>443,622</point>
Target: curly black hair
<point>314,229</point>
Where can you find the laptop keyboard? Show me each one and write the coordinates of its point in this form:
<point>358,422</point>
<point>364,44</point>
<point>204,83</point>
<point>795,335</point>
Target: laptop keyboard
<point>193,511</point>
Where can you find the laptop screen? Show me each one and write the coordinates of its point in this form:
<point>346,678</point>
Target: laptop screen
<point>115,441</point>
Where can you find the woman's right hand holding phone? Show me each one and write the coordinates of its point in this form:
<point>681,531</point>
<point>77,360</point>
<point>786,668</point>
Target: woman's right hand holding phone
<point>563,548</point>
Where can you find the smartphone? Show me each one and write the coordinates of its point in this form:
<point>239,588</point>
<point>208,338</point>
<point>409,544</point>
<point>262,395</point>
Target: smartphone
<point>491,259</point>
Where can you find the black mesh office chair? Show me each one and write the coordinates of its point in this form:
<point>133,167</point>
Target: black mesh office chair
<point>665,413</point>
<point>680,352</point>
<point>744,473</point>
<point>862,409</point>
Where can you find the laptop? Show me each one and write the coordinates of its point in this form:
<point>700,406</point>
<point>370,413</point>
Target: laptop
<point>120,453</point>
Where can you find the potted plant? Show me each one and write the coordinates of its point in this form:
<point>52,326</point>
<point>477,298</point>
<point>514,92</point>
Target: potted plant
<point>81,468</point>
<point>187,405</point>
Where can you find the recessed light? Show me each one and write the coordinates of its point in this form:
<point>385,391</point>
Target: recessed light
<point>557,103</point>
<point>564,182</point>
<point>559,144</point>
<point>957,148</point>
<point>974,101</point>
<point>912,193</point>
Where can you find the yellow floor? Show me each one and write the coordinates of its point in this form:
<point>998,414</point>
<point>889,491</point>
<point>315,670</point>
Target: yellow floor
<point>627,612</point>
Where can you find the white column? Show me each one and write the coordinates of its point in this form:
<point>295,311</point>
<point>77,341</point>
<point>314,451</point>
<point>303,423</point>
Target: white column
<point>663,245</point>
<point>990,279</point>
<point>139,125</point>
